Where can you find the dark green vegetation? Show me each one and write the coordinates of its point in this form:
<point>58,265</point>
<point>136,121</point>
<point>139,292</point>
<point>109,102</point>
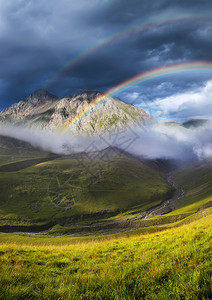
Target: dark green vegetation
<point>82,193</point>
<point>195,123</point>
<point>39,190</point>
<point>196,180</point>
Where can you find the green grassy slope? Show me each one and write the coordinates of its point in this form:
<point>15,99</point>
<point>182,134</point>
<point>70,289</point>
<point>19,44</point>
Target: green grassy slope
<point>172,264</point>
<point>169,258</point>
<point>75,188</point>
<point>196,180</point>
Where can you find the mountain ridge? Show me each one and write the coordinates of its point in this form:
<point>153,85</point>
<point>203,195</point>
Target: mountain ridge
<point>36,102</point>
<point>43,110</point>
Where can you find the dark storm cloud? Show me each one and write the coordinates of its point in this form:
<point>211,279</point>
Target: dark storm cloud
<point>39,37</point>
<point>122,11</point>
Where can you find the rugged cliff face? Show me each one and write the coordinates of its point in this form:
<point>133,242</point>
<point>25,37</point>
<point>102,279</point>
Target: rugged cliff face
<point>76,113</point>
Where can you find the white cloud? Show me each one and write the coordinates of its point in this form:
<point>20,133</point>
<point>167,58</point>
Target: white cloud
<point>155,141</point>
<point>195,104</point>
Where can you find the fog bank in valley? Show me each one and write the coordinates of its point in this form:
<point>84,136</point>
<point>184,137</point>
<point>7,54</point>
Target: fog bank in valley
<point>153,141</point>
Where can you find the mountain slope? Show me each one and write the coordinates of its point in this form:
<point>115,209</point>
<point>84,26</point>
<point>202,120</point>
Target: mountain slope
<point>195,123</point>
<point>10,145</point>
<point>34,105</point>
<point>45,111</point>
<point>74,188</point>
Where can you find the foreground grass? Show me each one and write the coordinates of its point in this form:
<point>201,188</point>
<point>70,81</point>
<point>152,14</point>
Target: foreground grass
<point>172,264</point>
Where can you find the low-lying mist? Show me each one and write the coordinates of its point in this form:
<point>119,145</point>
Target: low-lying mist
<point>152,142</point>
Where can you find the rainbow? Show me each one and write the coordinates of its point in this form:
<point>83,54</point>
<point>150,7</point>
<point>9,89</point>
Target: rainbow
<point>122,34</point>
<point>143,77</point>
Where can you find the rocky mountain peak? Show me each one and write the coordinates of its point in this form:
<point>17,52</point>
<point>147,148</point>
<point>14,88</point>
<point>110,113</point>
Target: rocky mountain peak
<point>36,103</point>
<point>85,95</point>
<point>46,111</point>
<point>41,95</point>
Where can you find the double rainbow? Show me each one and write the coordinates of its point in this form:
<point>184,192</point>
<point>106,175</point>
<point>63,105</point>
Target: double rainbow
<point>143,77</point>
<point>128,31</point>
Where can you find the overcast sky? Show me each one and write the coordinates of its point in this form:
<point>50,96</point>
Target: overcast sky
<point>38,38</point>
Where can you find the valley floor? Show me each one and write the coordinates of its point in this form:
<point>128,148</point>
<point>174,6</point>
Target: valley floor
<point>164,256</point>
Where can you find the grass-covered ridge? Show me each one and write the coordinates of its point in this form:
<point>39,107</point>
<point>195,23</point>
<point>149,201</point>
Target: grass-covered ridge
<point>64,189</point>
<point>196,180</point>
<point>68,194</point>
<point>172,264</point>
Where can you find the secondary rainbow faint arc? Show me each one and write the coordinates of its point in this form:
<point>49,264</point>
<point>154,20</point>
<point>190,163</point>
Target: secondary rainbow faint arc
<point>142,77</point>
<point>119,34</point>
